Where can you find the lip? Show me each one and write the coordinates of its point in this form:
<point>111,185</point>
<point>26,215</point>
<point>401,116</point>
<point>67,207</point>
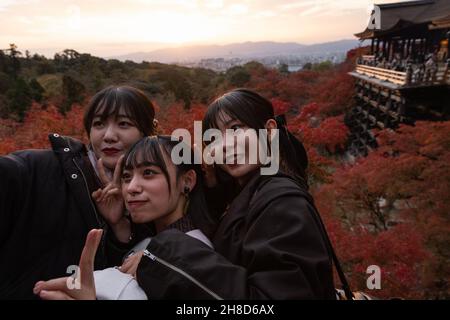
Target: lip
<point>134,204</point>
<point>233,159</point>
<point>110,151</point>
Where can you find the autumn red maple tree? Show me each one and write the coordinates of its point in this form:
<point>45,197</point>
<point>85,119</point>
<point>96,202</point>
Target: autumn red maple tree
<point>389,209</point>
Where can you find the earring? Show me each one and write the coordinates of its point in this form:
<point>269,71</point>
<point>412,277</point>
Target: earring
<point>186,191</point>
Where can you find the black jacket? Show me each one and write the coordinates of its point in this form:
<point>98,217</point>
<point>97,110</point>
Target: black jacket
<point>269,245</point>
<point>45,214</point>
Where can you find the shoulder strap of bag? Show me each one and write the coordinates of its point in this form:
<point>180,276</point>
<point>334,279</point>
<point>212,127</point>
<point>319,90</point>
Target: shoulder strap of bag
<point>345,286</point>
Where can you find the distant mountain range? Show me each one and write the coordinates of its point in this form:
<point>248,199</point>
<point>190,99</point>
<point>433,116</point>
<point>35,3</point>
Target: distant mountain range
<point>238,50</point>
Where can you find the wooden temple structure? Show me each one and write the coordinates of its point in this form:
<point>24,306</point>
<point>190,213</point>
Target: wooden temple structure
<point>406,76</point>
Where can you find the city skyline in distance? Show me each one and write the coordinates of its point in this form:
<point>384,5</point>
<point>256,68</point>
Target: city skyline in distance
<point>109,29</point>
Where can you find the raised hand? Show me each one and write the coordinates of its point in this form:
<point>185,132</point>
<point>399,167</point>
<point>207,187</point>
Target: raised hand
<point>84,288</point>
<point>109,200</point>
<point>131,263</point>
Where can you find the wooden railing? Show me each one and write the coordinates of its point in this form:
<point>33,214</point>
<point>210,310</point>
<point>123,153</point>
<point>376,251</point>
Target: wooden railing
<point>441,75</point>
<point>396,77</point>
<point>368,58</point>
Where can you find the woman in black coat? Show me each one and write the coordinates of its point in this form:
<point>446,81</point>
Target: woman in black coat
<point>46,209</point>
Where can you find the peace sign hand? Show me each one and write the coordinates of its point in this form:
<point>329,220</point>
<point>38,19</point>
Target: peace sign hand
<point>109,200</point>
<point>83,286</point>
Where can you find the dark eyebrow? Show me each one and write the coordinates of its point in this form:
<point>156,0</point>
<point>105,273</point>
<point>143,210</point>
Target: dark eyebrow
<point>140,165</point>
<point>231,121</point>
<point>100,115</point>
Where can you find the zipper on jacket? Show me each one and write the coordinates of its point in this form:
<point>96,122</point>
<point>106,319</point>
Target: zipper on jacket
<point>87,188</point>
<point>151,256</point>
<point>102,225</point>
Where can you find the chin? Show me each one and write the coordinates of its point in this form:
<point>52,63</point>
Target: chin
<point>110,162</point>
<point>240,171</point>
<point>136,218</point>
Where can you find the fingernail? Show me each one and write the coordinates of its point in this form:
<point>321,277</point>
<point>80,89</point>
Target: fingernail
<point>37,287</point>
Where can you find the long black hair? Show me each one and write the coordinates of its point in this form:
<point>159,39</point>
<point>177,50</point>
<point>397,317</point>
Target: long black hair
<point>157,150</point>
<point>254,110</point>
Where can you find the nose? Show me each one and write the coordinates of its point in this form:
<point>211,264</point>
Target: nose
<point>134,187</point>
<point>228,142</point>
<point>110,133</point>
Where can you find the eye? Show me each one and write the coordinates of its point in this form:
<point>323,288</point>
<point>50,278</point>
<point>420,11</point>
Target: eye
<point>149,172</point>
<point>97,123</point>
<point>126,124</point>
<point>126,177</point>
<point>236,126</point>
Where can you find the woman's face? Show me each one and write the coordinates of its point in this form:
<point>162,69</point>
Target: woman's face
<point>112,137</point>
<point>243,170</point>
<point>145,190</point>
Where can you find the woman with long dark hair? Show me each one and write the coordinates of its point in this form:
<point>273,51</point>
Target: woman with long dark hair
<point>268,242</point>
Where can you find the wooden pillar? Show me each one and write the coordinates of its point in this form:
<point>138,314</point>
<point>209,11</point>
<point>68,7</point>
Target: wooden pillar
<point>402,48</point>
<point>448,45</point>
<point>408,43</point>
<point>422,49</point>
<point>386,49</point>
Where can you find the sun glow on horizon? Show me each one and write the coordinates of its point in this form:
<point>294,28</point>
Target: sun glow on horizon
<point>123,26</point>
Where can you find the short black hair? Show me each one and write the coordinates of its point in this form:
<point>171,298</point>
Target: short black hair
<point>111,100</point>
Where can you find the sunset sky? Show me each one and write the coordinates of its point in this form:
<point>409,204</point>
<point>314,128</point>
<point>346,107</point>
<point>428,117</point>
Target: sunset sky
<point>113,27</point>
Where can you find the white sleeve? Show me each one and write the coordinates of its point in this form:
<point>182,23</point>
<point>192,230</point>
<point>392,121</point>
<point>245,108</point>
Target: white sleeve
<point>111,284</point>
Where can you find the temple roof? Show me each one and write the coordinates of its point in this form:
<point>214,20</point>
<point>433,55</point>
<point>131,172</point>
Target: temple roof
<point>400,15</point>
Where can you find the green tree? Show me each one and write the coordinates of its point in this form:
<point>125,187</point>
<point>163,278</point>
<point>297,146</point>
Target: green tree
<point>237,76</point>
<point>175,80</point>
<point>283,68</point>
<point>322,66</point>
<point>14,64</point>
<point>5,82</point>
<point>36,90</point>
<point>307,66</point>
<point>20,97</point>
<point>73,91</point>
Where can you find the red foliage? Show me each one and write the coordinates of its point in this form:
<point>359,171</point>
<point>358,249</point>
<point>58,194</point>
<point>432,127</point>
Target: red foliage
<point>389,209</point>
<point>394,208</point>
<point>175,117</point>
<point>331,134</point>
<point>38,123</point>
<point>280,106</point>
<point>306,112</point>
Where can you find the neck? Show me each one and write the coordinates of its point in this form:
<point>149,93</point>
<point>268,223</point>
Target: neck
<point>163,222</point>
<point>242,181</point>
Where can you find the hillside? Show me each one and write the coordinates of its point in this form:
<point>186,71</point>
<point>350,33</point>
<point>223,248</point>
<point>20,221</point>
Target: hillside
<point>238,50</point>
<point>389,209</point>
